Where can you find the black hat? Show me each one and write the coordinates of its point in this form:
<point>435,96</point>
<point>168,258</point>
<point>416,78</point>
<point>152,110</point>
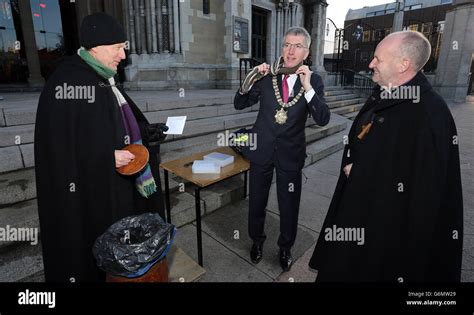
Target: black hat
<point>101,29</point>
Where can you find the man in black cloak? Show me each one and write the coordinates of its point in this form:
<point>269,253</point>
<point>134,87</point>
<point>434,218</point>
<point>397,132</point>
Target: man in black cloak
<point>83,121</point>
<point>396,214</point>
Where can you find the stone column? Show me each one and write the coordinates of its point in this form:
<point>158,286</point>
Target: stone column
<point>159,25</point>
<point>136,15</point>
<point>154,39</point>
<point>165,25</point>
<point>176,30</point>
<point>142,32</point>
<point>317,31</point>
<point>292,9</point>
<point>278,42</point>
<point>456,55</point>
<point>170,24</point>
<point>148,25</point>
<point>282,26</point>
<point>29,41</point>
<point>131,26</point>
<point>398,16</point>
<point>126,19</point>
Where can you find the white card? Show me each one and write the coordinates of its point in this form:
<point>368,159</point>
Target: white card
<point>175,125</point>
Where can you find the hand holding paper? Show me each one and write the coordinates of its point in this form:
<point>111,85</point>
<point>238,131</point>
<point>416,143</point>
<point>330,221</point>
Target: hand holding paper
<point>175,125</point>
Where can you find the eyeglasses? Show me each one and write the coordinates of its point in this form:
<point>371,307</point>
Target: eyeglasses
<point>296,46</point>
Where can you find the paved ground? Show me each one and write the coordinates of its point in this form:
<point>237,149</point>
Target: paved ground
<point>226,243</point>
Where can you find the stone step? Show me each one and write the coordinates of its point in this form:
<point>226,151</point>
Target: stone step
<point>345,102</point>
<point>19,115</point>
<point>351,116</point>
<point>325,147</point>
<point>21,262</point>
<point>332,87</point>
<point>14,157</point>
<point>347,109</point>
<point>212,124</point>
<point>157,104</point>
<point>195,113</point>
<point>24,113</point>
<point>20,215</point>
<point>17,186</point>
<point>340,97</point>
<point>338,91</point>
<point>16,135</point>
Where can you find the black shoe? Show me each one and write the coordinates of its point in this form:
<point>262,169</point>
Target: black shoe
<point>256,253</point>
<point>285,260</point>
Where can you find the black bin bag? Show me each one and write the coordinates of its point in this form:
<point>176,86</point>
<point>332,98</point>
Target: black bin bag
<point>132,245</point>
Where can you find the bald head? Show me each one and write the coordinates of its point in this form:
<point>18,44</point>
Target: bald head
<point>413,46</point>
<point>398,57</point>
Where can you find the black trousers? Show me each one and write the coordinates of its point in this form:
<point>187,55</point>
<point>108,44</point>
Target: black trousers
<point>289,195</point>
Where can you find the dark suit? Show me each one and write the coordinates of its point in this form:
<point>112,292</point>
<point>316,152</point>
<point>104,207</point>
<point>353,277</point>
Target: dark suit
<point>282,147</point>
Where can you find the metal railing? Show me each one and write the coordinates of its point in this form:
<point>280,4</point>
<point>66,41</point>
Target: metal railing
<point>362,83</point>
<point>249,64</point>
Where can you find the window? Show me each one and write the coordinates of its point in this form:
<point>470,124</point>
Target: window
<point>390,11</point>
<point>7,28</point>
<point>366,37</point>
<point>413,7</point>
<point>413,27</point>
<point>378,35</point>
<point>427,28</point>
<point>206,7</point>
<point>47,25</point>
<point>440,26</point>
<point>446,1</point>
<point>370,14</point>
<point>380,13</point>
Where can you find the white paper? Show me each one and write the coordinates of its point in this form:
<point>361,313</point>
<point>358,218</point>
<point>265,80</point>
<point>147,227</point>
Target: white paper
<point>175,125</point>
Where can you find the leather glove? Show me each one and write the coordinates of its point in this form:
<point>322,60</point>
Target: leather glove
<point>155,132</point>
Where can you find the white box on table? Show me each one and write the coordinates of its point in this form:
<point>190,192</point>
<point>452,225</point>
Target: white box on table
<point>205,167</point>
<point>220,159</point>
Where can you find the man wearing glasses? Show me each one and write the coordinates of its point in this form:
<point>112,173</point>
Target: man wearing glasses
<point>285,102</point>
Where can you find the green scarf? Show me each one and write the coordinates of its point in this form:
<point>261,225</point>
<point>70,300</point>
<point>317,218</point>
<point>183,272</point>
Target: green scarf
<point>102,70</point>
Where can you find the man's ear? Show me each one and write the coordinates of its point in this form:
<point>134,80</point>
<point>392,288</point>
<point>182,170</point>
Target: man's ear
<point>93,50</point>
<point>404,65</point>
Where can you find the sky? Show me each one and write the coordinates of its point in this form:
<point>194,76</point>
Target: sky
<point>337,9</point>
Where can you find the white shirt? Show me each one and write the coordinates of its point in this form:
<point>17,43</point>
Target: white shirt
<point>291,83</point>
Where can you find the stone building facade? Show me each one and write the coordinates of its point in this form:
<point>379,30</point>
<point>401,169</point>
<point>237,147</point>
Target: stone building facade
<point>180,43</point>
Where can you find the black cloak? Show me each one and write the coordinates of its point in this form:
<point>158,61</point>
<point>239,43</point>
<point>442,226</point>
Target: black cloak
<point>404,190</point>
<point>80,194</point>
